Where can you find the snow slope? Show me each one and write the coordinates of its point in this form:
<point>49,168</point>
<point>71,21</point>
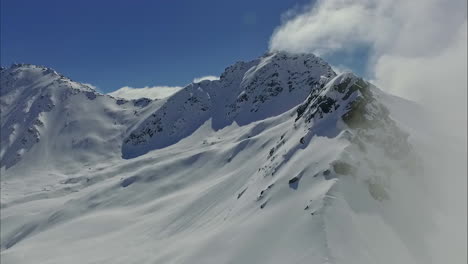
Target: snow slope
<point>50,122</point>
<point>279,161</point>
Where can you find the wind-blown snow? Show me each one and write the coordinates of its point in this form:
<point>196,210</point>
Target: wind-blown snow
<point>205,78</point>
<point>155,92</point>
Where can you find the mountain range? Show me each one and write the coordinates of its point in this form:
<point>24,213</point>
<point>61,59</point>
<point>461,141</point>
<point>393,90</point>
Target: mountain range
<point>281,160</point>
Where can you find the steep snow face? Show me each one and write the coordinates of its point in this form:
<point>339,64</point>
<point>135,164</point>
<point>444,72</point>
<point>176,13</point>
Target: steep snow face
<point>225,171</point>
<point>246,92</point>
<point>379,174</point>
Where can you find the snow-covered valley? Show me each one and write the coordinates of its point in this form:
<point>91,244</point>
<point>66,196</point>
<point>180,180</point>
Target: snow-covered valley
<point>280,161</point>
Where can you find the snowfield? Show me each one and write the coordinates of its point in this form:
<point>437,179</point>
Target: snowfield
<point>281,160</point>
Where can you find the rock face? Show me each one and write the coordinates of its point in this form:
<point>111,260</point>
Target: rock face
<point>246,92</point>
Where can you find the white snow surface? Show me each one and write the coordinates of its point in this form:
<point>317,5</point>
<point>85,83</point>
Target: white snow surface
<point>234,170</point>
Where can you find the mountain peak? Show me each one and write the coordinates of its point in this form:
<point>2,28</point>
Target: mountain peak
<point>279,141</point>
<point>37,76</point>
<point>18,68</point>
<point>246,92</point>
<point>29,94</point>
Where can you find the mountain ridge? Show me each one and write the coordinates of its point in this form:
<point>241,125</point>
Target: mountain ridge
<point>238,96</point>
<point>279,161</point>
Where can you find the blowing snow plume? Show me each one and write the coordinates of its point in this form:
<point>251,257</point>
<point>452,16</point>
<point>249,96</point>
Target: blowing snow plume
<point>416,49</point>
<point>155,92</point>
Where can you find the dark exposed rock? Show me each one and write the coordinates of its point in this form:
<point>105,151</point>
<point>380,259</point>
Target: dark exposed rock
<point>293,180</point>
<point>344,168</point>
<point>129,181</point>
<point>91,95</point>
<point>377,191</point>
<point>142,102</point>
<point>241,193</point>
<point>121,101</point>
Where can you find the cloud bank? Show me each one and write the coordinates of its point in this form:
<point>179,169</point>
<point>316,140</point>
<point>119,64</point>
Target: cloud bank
<point>155,92</point>
<point>407,40</point>
<point>416,49</point>
<point>204,78</point>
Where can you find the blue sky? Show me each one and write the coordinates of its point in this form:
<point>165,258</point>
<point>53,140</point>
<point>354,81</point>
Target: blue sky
<point>137,43</point>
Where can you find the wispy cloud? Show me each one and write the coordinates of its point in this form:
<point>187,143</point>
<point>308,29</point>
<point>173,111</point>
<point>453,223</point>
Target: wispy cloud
<point>417,49</point>
<point>154,92</point>
<point>204,78</point>
<point>341,69</point>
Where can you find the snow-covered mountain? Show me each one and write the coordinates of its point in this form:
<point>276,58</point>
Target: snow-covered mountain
<point>44,114</point>
<point>279,161</point>
<point>246,92</point>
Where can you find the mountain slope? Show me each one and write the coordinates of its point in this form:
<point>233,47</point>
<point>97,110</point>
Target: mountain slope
<point>279,161</point>
<point>246,92</point>
<point>41,107</point>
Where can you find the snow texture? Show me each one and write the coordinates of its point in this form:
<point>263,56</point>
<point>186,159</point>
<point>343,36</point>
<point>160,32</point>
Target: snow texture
<point>278,161</point>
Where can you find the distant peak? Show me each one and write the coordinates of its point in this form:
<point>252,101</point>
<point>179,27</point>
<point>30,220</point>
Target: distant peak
<point>27,66</point>
<point>20,67</point>
<point>28,74</point>
<point>279,59</point>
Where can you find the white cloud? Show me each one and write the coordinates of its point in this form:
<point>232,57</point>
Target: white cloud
<point>204,78</point>
<point>417,49</point>
<point>155,92</point>
<point>398,33</point>
<point>437,80</point>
